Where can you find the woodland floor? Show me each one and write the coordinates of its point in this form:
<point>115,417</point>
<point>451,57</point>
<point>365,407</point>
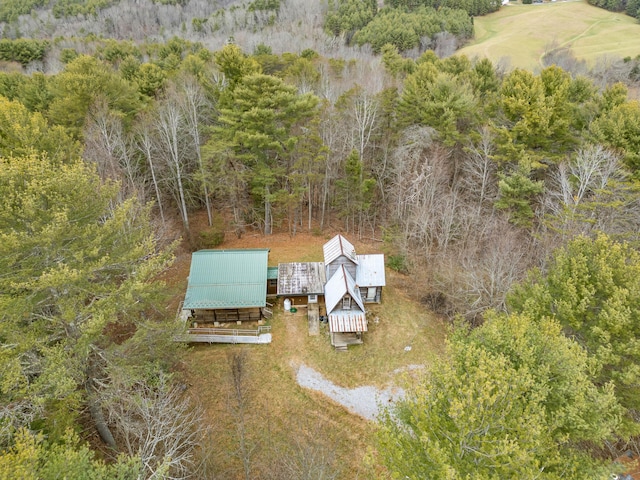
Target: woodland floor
<point>288,426</point>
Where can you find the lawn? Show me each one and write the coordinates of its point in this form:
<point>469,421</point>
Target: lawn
<point>521,33</point>
<point>290,426</point>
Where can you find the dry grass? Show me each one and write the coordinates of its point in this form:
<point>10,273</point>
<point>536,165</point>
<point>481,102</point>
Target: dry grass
<point>522,32</point>
<point>284,418</point>
<point>401,323</point>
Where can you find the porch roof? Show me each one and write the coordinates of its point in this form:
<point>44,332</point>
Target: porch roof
<point>342,321</point>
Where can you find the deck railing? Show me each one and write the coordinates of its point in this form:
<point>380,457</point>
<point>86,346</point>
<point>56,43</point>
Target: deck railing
<point>230,331</point>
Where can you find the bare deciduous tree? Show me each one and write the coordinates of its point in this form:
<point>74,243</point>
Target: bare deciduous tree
<point>479,170</point>
<point>365,115</point>
<point>110,148</point>
<point>564,58</point>
<point>332,131</point>
<point>446,44</point>
<point>591,193</point>
<point>239,403</point>
<point>146,144</point>
<point>609,70</point>
<point>194,105</point>
<point>589,172</point>
<point>478,276</point>
<point>170,124</point>
<point>159,424</point>
<point>17,415</point>
<point>577,183</point>
<point>422,202</point>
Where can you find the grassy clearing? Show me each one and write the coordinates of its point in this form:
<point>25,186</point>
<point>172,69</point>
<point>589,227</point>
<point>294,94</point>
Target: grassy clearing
<point>287,422</point>
<point>401,323</point>
<point>281,416</point>
<point>522,32</point>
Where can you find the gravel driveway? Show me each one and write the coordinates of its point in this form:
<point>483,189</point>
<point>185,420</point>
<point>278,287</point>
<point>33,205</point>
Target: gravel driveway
<point>365,401</point>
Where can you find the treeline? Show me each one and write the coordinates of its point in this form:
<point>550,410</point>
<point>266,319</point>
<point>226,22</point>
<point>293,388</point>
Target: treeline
<point>10,10</point>
<point>405,28</point>
<point>630,7</point>
<point>473,7</point>
<point>419,28</point>
<point>211,23</point>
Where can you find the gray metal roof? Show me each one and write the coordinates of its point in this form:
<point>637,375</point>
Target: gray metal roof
<point>301,278</point>
<point>338,286</point>
<point>338,246</point>
<point>227,279</point>
<point>370,271</point>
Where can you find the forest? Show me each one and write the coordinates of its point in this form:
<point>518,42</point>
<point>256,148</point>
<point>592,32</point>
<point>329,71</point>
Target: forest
<point>510,197</point>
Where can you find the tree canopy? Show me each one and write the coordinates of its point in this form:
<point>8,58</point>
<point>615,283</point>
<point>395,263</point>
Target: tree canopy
<point>591,287</point>
<point>76,263</point>
<point>512,399</point>
<point>260,124</point>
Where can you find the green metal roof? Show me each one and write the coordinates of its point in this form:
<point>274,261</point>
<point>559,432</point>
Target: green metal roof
<point>227,279</point>
<point>272,273</point>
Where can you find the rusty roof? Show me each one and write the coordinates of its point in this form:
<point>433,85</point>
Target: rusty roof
<point>343,321</point>
<point>301,278</point>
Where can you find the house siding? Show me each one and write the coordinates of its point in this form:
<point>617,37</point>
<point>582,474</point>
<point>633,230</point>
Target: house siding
<point>338,262</point>
<point>376,299</point>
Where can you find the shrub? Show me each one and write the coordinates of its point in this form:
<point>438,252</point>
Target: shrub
<point>22,50</point>
<point>398,263</point>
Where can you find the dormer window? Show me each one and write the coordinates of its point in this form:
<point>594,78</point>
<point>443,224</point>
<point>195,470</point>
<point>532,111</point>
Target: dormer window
<point>346,302</point>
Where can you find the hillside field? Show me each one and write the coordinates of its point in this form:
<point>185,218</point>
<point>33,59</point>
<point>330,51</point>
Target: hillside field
<point>522,32</point>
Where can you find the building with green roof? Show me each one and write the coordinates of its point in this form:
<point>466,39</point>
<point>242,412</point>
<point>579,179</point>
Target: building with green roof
<point>227,285</point>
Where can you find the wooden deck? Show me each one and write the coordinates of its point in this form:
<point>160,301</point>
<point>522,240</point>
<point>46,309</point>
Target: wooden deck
<point>261,335</point>
<point>342,340</point>
<point>313,313</point>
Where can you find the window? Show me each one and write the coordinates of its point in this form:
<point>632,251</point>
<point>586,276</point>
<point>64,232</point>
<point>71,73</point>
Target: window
<point>346,302</point>
<point>313,298</point>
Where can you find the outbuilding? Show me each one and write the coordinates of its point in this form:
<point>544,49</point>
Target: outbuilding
<point>228,285</point>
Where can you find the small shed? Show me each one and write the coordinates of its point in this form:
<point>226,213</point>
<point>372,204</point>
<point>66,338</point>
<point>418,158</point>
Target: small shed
<point>370,277</point>
<point>227,285</point>
<point>345,309</point>
<point>301,282</point>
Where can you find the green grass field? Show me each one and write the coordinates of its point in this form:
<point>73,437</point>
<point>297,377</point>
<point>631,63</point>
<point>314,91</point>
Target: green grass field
<point>522,32</point>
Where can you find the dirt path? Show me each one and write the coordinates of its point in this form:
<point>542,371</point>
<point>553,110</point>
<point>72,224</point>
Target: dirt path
<point>293,332</point>
<point>366,401</point>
